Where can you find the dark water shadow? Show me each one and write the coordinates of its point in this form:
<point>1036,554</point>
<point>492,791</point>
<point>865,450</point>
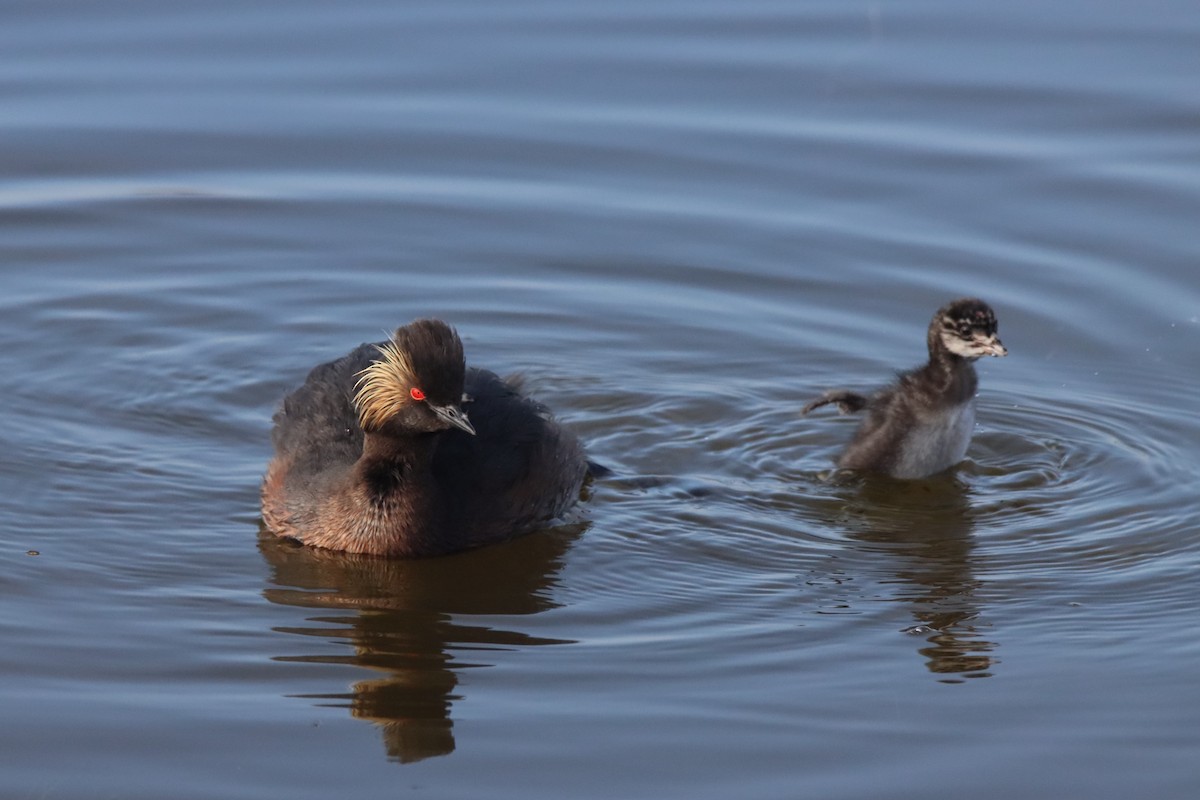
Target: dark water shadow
<point>925,530</point>
<point>399,621</point>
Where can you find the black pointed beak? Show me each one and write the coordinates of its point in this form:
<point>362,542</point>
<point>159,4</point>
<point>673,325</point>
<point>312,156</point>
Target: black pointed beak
<point>454,417</point>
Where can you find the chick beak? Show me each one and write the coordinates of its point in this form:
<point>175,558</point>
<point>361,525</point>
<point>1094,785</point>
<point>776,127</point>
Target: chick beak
<point>992,346</point>
<point>454,417</point>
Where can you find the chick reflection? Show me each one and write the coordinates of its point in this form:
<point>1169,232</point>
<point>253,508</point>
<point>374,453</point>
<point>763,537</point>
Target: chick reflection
<point>401,624</point>
<point>924,527</point>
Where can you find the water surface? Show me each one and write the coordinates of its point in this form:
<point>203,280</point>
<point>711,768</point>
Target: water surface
<point>680,221</point>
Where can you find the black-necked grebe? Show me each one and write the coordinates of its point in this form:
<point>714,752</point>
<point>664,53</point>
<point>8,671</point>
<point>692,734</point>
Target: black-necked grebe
<point>921,424</point>
<point>375,454</point>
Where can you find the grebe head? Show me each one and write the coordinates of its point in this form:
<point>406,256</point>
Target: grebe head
<point>416,385</point>
<point>966,328</point>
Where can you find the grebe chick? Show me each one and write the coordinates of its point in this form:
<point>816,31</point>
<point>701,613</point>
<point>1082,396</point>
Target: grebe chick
<point>374,453</point>
<point>921,424</point>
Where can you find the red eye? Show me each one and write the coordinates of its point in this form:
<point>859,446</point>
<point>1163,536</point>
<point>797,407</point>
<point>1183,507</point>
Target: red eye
<point>416,394</point>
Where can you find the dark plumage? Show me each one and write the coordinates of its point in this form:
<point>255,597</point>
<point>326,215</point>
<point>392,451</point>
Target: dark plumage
<point>922,423</point>
<point>374,453</point>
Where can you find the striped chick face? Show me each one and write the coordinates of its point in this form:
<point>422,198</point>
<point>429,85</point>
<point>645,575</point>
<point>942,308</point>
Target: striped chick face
<point>968,329</point>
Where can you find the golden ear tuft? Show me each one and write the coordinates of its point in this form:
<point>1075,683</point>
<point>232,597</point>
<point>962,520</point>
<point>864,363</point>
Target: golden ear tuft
<point>382,388</point>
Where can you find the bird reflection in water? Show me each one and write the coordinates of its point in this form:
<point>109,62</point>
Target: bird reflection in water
<point>398,616</point>
<point>925,530</point>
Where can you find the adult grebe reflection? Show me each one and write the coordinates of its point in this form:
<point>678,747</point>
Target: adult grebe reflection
<point>925,530</point>
<point>402,624</point>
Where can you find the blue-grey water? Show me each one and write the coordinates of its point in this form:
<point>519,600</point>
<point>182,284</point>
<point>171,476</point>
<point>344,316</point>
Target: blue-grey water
<point>680,221</point>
